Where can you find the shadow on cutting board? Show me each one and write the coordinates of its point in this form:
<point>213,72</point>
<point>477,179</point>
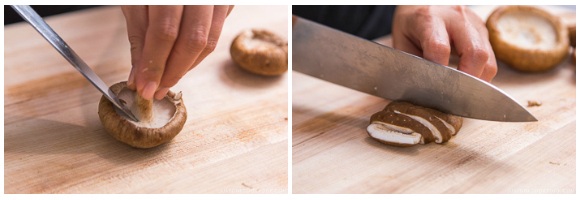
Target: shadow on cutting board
<point>235,77</point>
<point>47,137</point>
<point>321,123</point>
<point>447,154</point>
<point>508,76</point>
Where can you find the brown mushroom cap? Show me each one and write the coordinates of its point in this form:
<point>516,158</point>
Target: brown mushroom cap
<point>399,119</point>
<point>170,116</point>
<point>261,52</point>
<point>569,19</point>
<point>572,35</point>
<point>527,38</point>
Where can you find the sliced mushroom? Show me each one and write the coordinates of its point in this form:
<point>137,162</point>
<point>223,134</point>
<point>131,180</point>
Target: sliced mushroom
<point>159,120</point>
<point>527,38</point>
<point>261,52</point>
<point>405,124</point>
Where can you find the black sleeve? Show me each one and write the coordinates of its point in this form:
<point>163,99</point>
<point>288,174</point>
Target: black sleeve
<point>365,21</point>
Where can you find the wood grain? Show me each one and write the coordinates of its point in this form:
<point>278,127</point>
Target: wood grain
<point>234,141</point>
<point>332,153</point>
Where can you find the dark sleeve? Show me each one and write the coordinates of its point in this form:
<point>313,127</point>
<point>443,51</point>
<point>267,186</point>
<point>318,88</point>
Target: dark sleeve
<point>365,21</point>
<point>10,16</point>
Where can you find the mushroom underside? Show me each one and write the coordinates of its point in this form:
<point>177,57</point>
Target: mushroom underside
<point>167,118</point>
<point>163,110</point>
<point>527,30</point>
<point>527,38</point>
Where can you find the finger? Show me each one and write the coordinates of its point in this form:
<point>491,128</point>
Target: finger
<point>219,16</point>
<point>435,42</point>
<point>428,34</point>
<point>405,44</point>
<point>164,23</point>
<point>490,69</point>
<point>192,40</point>
<point>136,18</point>
<point>230,8</point>
<point>471,48</point>
<point>400,33</point>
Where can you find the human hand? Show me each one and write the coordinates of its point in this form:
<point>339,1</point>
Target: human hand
<point>168,41</point>
<point>432,31</point>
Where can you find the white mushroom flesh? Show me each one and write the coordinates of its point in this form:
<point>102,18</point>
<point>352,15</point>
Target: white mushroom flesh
<point>393,134</point>
<point>163,110</point>
<point>527,30</point>
<point>448,125</point>
<point>426,123</point>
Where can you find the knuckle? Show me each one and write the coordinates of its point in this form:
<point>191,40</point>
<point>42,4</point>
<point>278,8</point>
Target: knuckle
<point>211,45</point>
<point>437,45</point>
<point>166,31</point>
<point>458,8</point>
<point>196,42</point>
<point>491,69</point>
<point>478,53</point>
<point>423,11</point>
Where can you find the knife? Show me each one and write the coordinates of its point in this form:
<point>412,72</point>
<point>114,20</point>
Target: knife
<point>375,69</point>
<point>28,14</point>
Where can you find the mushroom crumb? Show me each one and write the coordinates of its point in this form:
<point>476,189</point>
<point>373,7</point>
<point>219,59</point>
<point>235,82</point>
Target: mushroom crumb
<point>534,103</point>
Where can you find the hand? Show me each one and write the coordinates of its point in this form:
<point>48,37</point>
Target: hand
<point>431,31</point>
<point>168,41</point>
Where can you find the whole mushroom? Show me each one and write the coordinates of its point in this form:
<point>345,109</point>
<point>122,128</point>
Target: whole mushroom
<point>527,38</point>
<point>261,52</point>
<point>159,120</point>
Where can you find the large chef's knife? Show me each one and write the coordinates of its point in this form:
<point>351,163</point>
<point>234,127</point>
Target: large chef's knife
<point>30,16</point>
<point>382,71</point>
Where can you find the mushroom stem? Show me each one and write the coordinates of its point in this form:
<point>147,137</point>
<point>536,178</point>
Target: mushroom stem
<point>144,108</point>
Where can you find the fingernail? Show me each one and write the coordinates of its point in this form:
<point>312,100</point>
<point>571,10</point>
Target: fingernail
<point>161,93</point>
<point>131,81</point>
<point>149,90</point>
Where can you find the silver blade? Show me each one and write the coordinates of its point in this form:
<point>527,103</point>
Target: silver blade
<point>382,71</point>
<point>28,14</point>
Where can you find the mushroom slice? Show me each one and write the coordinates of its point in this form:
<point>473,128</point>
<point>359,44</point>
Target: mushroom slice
<point>432,128</point>
<point>261,52</point>
<point>527,38</point>
<point>394,135</point>
<point>405,124</point>
<point>159,120</point>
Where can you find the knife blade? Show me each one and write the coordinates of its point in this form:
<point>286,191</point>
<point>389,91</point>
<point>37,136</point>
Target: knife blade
<point>375,69</point>
<point>30,16</point>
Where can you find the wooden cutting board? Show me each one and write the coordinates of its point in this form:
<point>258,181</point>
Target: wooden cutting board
<point>234,141</point>
<point>332,153</point>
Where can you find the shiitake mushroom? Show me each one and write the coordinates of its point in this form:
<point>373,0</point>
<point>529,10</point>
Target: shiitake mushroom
<point>159,120</point>
<point>261,52</point>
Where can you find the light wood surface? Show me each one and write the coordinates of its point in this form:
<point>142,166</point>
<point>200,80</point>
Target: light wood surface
<point>234,141</point>
<point>332,153</point>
